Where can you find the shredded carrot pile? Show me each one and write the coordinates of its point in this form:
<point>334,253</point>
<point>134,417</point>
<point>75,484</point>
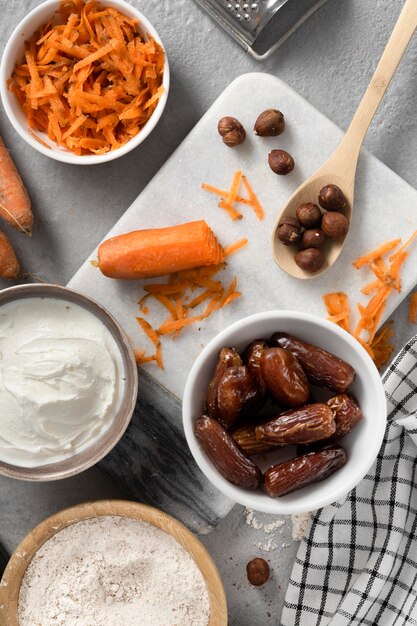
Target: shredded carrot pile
<point>89,80</point>
<point>386,280</point>
<point>229,198</point>
<point>412,312</point>
<point>188,297</point>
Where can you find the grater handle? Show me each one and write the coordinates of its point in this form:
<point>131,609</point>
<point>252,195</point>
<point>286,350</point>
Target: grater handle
<point>393,53</point>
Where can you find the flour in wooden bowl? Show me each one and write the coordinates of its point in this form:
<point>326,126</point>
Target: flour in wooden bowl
<point>109,571</point>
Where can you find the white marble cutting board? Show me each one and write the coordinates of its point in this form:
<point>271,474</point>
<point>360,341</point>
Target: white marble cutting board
<point>385,208</point>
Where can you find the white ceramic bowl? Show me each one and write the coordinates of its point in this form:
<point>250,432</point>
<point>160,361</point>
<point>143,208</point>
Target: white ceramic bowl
<point>14,52</point>
<point>361,444</point>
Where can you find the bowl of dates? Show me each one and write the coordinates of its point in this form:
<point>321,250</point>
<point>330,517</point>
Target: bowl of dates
<point>284,412</point>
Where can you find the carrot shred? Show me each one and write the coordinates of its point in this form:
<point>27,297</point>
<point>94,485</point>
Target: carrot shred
<point>375,254</point>
<point>223,193</point>
<point>372,286</point>
<point>234,213</point>
<point>413,308</point>
<point>234,247</point>
<point>234,188</point>
<point>92,64</point>
<point>153,336</point>
<point>381,348</point>
<point>259,212</point>
<point>337,305</point>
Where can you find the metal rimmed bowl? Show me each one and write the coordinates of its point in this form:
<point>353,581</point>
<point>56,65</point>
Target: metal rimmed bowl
<point>14,52</point>
<point>100,447</point>
<point>24,553</point>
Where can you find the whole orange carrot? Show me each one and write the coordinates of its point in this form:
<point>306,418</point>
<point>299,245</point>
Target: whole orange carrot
<point>14,200</point>
<point>9,265</point>
<point>160,251</point>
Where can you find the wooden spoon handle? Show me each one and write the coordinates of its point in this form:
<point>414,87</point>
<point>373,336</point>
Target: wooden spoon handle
<point>397,44</point>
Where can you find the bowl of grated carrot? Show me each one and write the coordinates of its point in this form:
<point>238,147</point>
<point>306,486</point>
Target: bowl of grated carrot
<point>84,82</point>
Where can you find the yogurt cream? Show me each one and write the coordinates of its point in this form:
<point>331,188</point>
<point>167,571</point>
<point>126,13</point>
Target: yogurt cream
<point>60,380</point>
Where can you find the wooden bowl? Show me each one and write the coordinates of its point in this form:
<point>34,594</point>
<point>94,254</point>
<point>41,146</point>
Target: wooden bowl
<point>22,556</point>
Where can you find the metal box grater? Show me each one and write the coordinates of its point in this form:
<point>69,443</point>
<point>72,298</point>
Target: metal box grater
<point>260,26</point>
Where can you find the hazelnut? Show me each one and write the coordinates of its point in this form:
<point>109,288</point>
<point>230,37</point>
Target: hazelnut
<point>309,215</point>
<point>270,123</point>
<point>232,131</point>
<point>311,259</point>
<point>335,225</point>
<point>289,230</point>
<point>332,198</point>
<point>280,162</point>
<point>257,572</point>
<point>312,238</point>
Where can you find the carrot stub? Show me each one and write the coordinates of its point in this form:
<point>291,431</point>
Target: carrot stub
<point>14,200</point>
<point>159,251</point>
<point>9,265</point>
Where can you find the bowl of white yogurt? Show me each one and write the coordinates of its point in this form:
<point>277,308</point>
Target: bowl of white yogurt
<point>68,382</point>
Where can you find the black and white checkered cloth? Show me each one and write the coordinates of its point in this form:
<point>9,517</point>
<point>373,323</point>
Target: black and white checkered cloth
<point>358,562</point>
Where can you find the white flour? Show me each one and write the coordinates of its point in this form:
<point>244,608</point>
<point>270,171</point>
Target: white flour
<point>110,571</point>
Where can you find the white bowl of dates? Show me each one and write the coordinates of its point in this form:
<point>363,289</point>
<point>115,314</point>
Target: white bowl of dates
<point>284,412</point>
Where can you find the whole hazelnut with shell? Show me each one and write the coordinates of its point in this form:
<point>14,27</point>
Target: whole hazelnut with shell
<point>232,131</point>
<point>310,260</point>
<point>270,123</point>
<point>334,225</point>
<point>281,162</point>
<point>311,238</point>
<point>332,198</point>
<point>257,571</point>
<point>289,230</point>
<point>309,215</point>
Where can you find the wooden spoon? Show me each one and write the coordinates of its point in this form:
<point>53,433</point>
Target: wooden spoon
<point>340,168</point>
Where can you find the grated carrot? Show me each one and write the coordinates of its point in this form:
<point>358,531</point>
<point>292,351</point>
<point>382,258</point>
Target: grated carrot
<point>89,81</point>
<point>234,247</point>
<point>234,213</point>
<point>175,297</point>
<point>223,193</point>
<point>375,342</point>
<point>375,254</point>
<point>259,212</point>
<point>413,308</point>
<point>381,348</point>
<point>229,198</point>
<point>337,305</point>
<point>153,336</point>
<point>234,188</point>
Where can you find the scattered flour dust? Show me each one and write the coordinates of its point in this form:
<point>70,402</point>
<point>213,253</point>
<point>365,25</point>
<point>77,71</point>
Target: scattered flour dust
<point>299,527</point>
<point>110,571</point>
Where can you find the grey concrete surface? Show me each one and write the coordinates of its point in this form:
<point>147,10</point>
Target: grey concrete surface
<point>329,61</point>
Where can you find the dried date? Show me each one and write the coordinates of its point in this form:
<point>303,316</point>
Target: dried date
<point>237,393</point>
<point>226,455</point>
<point>228,357</point>
<point>299,426</point>
<point>346,414</point>
<point>246,438</point>
<point>301,471</point>
<point>284,377</point>
<point>322,368</point>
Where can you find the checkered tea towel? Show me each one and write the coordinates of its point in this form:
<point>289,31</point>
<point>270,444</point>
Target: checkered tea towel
<point>358,562</point>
